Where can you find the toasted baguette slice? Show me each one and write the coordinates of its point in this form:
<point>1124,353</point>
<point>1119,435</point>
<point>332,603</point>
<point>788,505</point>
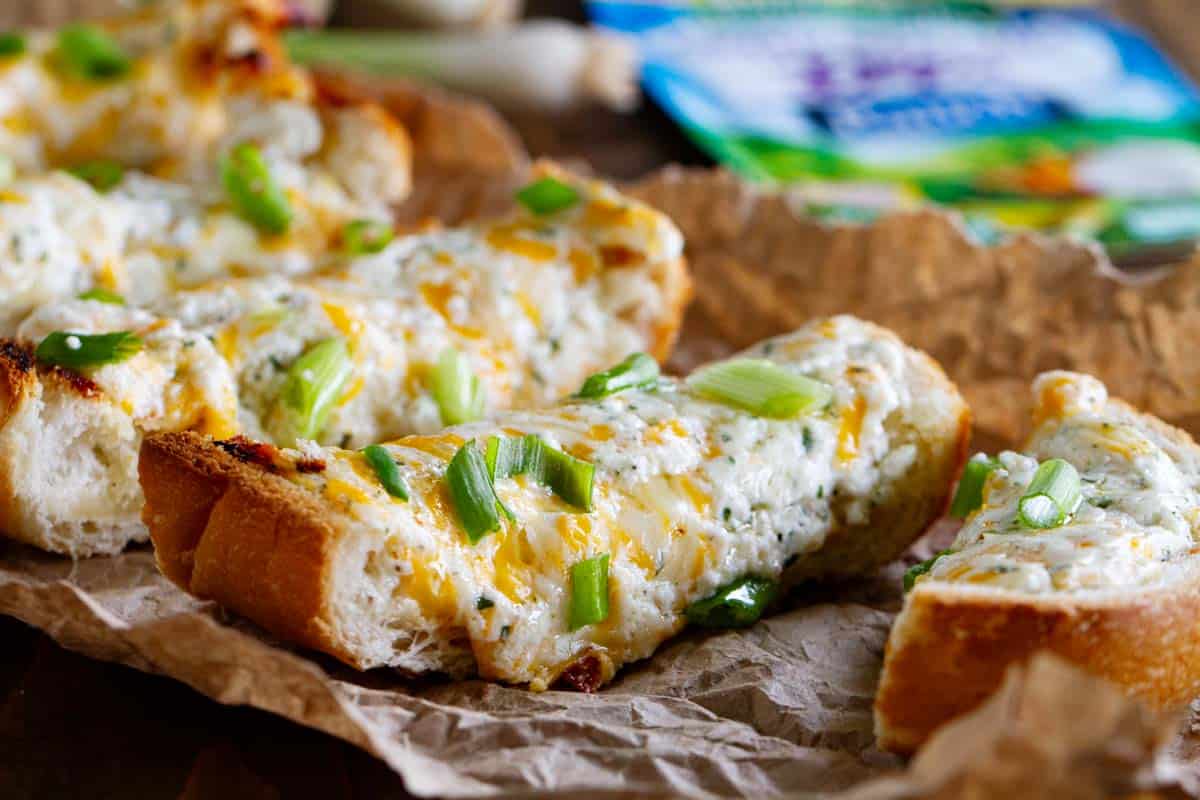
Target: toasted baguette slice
<point>534,303</point>
<point>1116,589</point>
<point>689,495</point>
<point>199,75</point>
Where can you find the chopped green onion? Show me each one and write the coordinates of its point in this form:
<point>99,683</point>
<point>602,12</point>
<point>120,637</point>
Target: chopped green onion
<point>917,570</point>
<point>255,195</point>
<point>103,175</point>
<point>365,236</point>
<point>547,195</point>
<point>483,603</point>
<point>760,387</point>
<point>568,477</point>
<point>736,605</point>
<point>589,592</point>
<point>1053,495</point>
<point>314,385</point>
<point>472,493</point>
<point>11,44</point>
<point>88,52</point>
<point>79,350</point>
<point>638,371</point>
<point>456,390</point>
<point>507,456</point>
<point>103,296</point>
<point>386,470</point>
<point>969,495</point>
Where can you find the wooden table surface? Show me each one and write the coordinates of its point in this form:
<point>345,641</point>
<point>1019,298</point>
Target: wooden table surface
<point>72,727</point>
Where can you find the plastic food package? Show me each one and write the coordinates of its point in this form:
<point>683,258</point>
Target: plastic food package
<point>1052,118</point>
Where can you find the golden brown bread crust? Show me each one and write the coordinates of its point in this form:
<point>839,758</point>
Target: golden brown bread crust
<point>228,530</point>
<point>17,380</point>
<point>951,644</point>
<point>676,283</point>
<point>948,651</point>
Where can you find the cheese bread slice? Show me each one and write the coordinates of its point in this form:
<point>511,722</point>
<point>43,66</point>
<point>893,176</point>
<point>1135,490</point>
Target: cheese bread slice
<point>172,85</point>
<point>1083,544</point>
<point>555,546</point>
<point>526,305</point>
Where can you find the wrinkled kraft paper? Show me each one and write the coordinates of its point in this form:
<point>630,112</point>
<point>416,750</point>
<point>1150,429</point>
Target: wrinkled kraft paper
<point>780,709</point>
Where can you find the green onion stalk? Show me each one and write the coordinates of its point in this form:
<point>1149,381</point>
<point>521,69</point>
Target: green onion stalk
<point>542,65</point>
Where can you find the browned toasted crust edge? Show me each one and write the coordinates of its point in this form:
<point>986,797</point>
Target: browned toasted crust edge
<point>949,651</point>
<point>677,293</point>
<point>231,531</point>
<point>17,379</point>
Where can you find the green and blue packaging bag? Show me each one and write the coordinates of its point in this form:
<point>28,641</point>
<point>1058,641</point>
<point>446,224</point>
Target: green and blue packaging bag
<point>1058,119</point>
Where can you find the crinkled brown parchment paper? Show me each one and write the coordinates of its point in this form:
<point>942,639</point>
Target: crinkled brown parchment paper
<point>780,709</point>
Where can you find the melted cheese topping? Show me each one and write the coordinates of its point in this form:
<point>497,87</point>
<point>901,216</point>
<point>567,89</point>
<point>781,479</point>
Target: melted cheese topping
<point>531,329</point>
<point>1141,501</point>
<point>689,495</point>
<point>201,71</point>
<point>206,76</point>
<point>148,237</point>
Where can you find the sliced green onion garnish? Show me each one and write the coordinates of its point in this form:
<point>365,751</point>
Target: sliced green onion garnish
<point>589,592</point>
<point>314,385</point>
<point>917,570</point>
<point>11,44</point>
<point>89,52</point>
<point>638,371</point>
<point>969,495</point>
<point>103,296</point>
<point>455,389</point>
<point>472,493</point>
<point>79,350</point>
<point>1053,495</point>
<point>386,470</point>
<point>365,236</point>
<point>547,195</point>
<point>102,174</point>
<point>255,195</point>
<point>507,456</point>
<point>568,477</point>
<point>736,605</point>
<point>760,387</point>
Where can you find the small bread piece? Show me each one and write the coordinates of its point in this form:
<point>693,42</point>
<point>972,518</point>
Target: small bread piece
<point>534,304</point>
<point>1115,590</point>
<point>689,496</point>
